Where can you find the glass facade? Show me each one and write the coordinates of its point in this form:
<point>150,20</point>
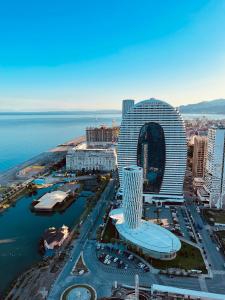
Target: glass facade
<point>151,156</point>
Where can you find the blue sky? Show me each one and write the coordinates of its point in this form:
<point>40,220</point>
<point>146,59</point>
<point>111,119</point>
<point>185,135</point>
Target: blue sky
<point>92,54</point>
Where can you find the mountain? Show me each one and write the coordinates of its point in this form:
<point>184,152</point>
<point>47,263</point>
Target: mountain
<point>206,107</point>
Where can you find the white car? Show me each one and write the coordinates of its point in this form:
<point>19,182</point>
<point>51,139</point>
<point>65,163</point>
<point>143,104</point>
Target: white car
<point>115,259</point>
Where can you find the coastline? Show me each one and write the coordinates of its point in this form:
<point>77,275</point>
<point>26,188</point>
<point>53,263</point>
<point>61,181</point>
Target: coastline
<point>53,155</point>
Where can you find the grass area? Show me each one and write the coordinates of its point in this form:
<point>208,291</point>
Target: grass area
<point>80,266</point>
<point>187,258</point>
<point>221,236</point>
<point>214,216</point>
<point>110,233</point>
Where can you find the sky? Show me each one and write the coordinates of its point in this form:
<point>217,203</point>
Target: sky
<point>85,54</point>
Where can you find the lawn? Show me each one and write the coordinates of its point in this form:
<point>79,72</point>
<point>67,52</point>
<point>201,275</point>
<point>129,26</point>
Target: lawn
<point>110,232</point>
<point>187,258</point>
<point>221,237</point>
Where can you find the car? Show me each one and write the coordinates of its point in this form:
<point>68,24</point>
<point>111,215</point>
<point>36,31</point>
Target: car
<point>130,257</point>
<point>115,259</point>
<point>81,272</point>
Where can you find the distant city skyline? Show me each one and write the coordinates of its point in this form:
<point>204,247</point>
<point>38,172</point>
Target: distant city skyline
<point>86,56</point>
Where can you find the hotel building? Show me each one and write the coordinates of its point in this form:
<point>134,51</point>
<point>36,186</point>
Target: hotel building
<point>152,136</point>
<point>151,238</point>
<point>83,158</point>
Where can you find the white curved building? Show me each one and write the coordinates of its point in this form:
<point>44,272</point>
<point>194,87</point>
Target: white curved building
<point>153,239</point>
<point>132,196</point>
<point>152,135</point>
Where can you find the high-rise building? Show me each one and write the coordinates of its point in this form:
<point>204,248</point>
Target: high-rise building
<point>101,136</point>
<point>215,168</point>
<point>152,135</point>
<point>199,156</point>
<point>127,105</point>
<point>151,238</point>
<point>132,196</point>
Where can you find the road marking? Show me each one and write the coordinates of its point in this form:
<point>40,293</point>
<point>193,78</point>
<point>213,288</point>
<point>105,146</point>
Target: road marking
<point>202,283</point>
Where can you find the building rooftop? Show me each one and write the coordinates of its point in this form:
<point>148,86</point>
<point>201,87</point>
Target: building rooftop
<point>53,234</point>
<point>49,200</point>
<point>83,146</point>
<point>148,235</point>
<point>185,292</point>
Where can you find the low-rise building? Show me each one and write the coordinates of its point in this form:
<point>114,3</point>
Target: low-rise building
<point>161,292</point>
<point>54,238</point>
<point>50,200</point>
<point>83,158</point>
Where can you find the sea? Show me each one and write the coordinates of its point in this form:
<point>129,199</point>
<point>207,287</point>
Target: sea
<point>23,136</point>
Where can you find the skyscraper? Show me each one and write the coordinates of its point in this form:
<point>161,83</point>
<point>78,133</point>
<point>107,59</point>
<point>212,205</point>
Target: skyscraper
<point>215,171</point>
<point>152,239</point>
<point>152,136</point>
<point>127,105</point>
<point>132,196</point>
<point>199,156</point>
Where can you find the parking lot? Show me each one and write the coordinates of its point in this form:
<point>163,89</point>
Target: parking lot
<point>119,259</point>
<point>175,218</point>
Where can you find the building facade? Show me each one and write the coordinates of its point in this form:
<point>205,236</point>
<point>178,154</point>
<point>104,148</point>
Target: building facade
<point>152,239</point>
<point>101,136</point>
<point>152,135</point>
<point>85,159</point>
<point>126,106</point>
<point>199,156</point>
<point>215,171</point>
<point>132,196</point>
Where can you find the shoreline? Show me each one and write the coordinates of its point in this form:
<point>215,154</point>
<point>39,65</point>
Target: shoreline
<point>10,176</point>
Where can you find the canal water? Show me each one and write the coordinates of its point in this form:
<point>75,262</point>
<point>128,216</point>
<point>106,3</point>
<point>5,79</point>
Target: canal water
<point>21,231</point>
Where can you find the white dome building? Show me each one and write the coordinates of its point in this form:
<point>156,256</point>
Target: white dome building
<point>153,239</point>
<point>152,135</point>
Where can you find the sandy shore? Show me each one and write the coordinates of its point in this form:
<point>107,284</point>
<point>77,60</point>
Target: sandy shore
<point>46,158</point>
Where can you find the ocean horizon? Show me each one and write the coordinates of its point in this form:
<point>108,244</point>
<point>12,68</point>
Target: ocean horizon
<point>27,134</point>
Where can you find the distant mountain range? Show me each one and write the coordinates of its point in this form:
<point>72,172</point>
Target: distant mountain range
<point>206,107</point>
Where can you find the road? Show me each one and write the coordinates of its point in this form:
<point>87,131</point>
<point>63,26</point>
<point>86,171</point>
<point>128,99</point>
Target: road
<point>102,277</point>
<point>88,227</point>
